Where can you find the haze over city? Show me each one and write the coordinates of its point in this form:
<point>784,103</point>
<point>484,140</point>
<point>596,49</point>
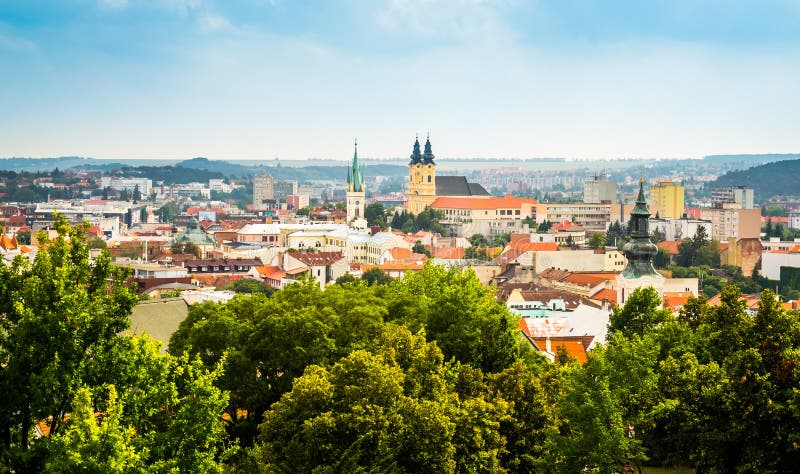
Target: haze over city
<point>257,79</point>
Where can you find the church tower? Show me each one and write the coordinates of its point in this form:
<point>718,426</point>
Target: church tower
<point>355,192</point>
<point>639,272</point>
<point>421,178</point>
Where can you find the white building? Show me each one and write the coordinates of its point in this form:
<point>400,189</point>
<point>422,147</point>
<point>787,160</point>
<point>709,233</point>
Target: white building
<point>144,185</point>
<point>598,189</point>
<point>679,229</point>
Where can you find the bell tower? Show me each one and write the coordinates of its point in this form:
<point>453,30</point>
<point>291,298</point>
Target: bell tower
<point>355,191</point>
<point>421,178</point>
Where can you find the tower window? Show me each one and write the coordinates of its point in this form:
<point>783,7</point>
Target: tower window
<point>429,178</point>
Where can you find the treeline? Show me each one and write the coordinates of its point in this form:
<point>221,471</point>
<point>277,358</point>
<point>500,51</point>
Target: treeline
<point>425,374</point>
<point>767,180</point>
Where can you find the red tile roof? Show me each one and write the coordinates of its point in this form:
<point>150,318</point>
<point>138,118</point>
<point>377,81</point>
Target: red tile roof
<point>533,246</point>
<point>507,202</point>
<point>317,258</point>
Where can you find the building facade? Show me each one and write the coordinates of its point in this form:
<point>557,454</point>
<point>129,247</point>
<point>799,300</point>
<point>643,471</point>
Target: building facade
<point>598,189</point>
<point>668,199</point>
<point>263,191</point>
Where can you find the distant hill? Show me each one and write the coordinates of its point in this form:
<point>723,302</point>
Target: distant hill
<point>750,159</point>
<point>43,164</point>
<point>223,167</point>
<point>771,179</point>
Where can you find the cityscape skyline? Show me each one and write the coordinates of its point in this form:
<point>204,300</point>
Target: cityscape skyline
<point>258,79</point>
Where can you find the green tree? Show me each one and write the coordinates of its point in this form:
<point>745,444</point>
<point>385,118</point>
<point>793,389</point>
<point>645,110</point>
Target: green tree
<point>57,314</point>
<point>250,286</point>
<point>168,211</point>
<point>478,240</point>
<point>24,237</point>
<point>137,194</point>
<point>640,313</point>
<point>90,445</point>
<point>376,276</point>
<point>460,313</point>
<point>597,240</point>
<point>420,248</point>
<point>375,214</point>
<point>346,278</point>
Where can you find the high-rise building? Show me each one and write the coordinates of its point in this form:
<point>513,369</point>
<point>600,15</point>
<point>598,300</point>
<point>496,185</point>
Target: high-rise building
<point>732,195</point>
<point>668,199</point>
<point>263,190</point>
<point>284,189</point>
<point>355,190</point>
<point>598,189</point>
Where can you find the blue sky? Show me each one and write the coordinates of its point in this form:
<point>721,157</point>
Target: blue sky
<point>488,78</point>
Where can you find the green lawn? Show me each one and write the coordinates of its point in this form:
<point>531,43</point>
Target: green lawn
<point>667,470</point>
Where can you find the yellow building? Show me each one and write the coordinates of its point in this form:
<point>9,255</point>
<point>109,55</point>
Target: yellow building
<point>424,186</point>
<point>668,199</point>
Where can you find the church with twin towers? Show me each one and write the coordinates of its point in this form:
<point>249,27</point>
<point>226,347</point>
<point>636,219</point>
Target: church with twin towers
<point>424,186</point>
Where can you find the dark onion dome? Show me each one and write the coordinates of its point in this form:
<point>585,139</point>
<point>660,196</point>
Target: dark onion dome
<point>640,250</point>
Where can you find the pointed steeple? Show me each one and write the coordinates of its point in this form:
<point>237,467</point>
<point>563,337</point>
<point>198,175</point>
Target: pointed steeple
<point>416,155</point>
<point>640,250</point>
<point>427,157</point>
<point>355,174</point>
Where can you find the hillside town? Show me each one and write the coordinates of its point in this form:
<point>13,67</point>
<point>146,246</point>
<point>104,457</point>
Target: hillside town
<point>561,266</point>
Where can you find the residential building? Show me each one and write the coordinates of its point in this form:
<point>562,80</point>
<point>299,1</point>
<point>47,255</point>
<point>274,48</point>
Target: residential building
<point>679,229</point>
<point>144,185</point>
<point>263,191</point>
<point>598,189</point>
<point>730,221</point>
<point>324,267</point>
<point>668,199</point>
<point>465,216</point>
<point>741,195</point>
<point>284,189</point>
<point>592,217</point>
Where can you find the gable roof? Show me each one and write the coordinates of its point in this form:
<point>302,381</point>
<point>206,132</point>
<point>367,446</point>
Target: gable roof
<point>317,258</point>
<point>533,246</point>
<point>462,202</point>
<point>458,186</point>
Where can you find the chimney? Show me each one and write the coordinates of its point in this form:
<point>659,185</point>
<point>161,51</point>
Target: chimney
<point>548,347</point>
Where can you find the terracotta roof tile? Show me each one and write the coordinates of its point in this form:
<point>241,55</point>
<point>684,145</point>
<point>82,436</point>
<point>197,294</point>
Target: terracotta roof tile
<point>481,203</point>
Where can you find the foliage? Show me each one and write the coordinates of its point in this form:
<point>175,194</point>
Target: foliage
<point>376,276</point>
<point>250,286</point>
<point>771,179</point>
<point>640,313</point>
<point>419,248</point>
<point>597,241</point>
<point>698,250</point>
<point>186,247</point>
<point>428,220</point>
<point>60,349</point>
<point>397,407</point>
<point>168,211</point>
<point>375,214</point>
<point>24,237</point>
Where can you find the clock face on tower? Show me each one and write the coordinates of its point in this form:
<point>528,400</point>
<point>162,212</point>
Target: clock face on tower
<point>357,203</point>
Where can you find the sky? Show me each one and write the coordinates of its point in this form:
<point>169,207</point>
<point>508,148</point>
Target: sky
<point>295,79</point>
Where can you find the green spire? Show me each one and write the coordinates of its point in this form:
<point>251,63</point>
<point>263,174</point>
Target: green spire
<point>641,204</point>
<point>355,174</point>
<point>416,155</point>
<point>427,157</point>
